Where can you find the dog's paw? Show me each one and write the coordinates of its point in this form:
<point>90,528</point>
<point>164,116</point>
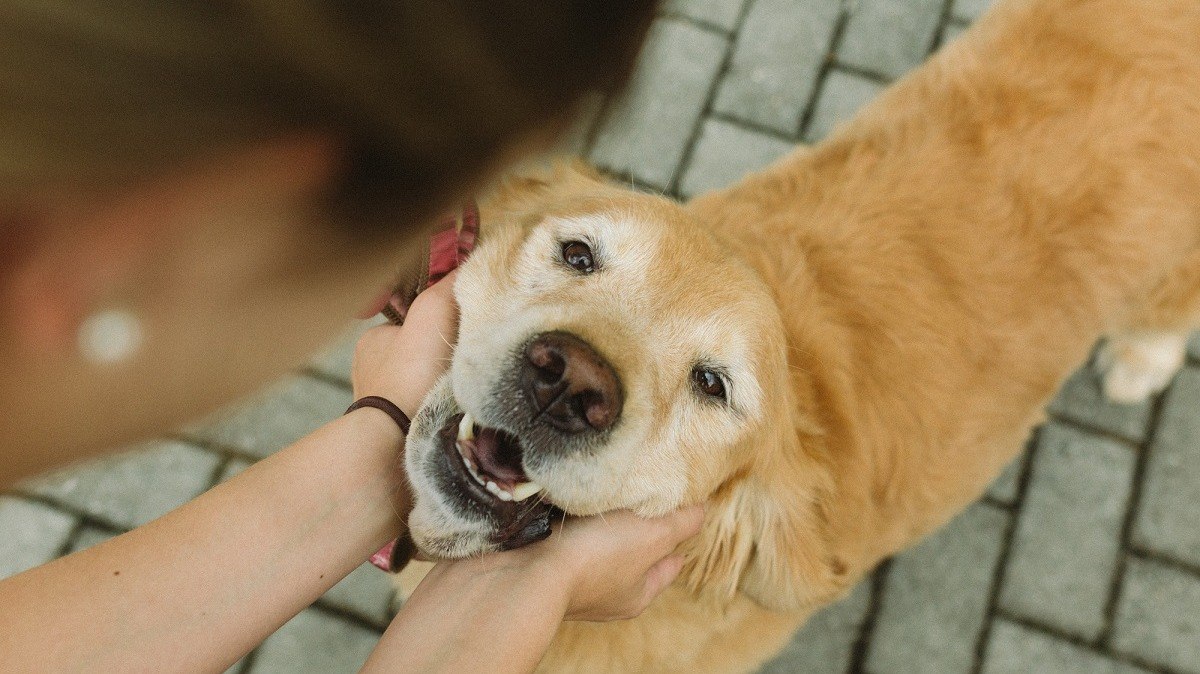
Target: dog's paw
<point>1136,366</point>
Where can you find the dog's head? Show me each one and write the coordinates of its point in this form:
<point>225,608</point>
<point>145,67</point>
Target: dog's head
<point>613,354</point>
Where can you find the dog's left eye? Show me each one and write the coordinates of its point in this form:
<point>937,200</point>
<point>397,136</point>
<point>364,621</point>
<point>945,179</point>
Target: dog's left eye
<point>709,383</point>
<point>578,256</point>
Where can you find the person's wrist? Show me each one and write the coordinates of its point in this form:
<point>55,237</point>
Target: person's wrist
<point>381,423</point>
<point>400,397</point>
<point>550,577</point>
<point>527,575</point>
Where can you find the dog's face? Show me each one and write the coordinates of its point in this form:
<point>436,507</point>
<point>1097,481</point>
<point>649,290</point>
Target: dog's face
<point>611,354</point>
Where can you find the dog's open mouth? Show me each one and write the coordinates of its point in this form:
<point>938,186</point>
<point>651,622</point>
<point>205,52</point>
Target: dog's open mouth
<point>488,464</point>
<point>493,458</point>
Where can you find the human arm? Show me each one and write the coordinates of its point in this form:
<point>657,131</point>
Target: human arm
<point>499,612</point>
<point>199,587</point>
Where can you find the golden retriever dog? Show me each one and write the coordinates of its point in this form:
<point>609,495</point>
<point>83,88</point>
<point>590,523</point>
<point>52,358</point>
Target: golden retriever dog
<point>837,354</point>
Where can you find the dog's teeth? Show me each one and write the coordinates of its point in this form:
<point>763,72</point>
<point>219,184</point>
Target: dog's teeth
<point>525,490</point>
<point>474,472</point>
<point>498,492</point>
<point>466,428</point>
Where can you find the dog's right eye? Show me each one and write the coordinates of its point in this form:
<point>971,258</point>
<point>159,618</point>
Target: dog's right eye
<point>709,383</point>
<point>578,256</point>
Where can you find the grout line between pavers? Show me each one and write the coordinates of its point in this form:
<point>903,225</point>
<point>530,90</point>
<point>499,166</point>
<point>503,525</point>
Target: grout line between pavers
<point>835,42</point>
<point>73,537</point>
<point>1132,507</point>
<point>939,33</point>
<point>1057,634</point>
<point>324,377</point>
<point>860,72</point>
<point>349,616</point>
<point>1011,508</point>
<point>1084,427</point>
<point>603,111</point>
<point>751,127</point>
<point>248,661</point>
<point>689,148</point>
<point>1006,545</point>
<point>1163,559</point>
<point>219,470</point>
<point>707,26</point>
<point>228,451</point>
<point>84,516</point>
<point>862,642</point>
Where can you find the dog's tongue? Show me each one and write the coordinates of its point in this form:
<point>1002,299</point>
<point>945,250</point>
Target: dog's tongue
<point>499,455</point>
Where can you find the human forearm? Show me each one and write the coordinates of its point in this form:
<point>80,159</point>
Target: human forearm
<point>498,613</point>
<point>199,587</point>
<point>474,615</point>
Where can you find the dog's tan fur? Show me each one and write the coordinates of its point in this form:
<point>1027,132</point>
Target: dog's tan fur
<point>939,266</point>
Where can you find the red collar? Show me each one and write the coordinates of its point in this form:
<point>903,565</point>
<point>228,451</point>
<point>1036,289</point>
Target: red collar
<point>448,249</point>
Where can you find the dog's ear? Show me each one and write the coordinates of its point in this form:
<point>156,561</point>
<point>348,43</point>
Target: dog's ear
<point>764,535</point>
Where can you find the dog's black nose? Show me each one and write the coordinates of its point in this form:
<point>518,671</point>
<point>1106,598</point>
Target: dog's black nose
<point>572,387</point>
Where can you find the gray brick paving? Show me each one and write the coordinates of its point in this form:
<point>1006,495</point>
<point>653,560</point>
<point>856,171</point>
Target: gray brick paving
<point>936,597</point>
<point>1014,649</point>
<point>134,488</point>
<point>277,418</point>
<point>232,468</point>
<point>1158,616</point>
<point>842,95</point>
<point>969,10</point>
<point>1081,402</point>
<point>889,37</point>
<point>724,87</point>
<point>647,134</point>
<point>366,592</point>
<point>30,533</point>
<point>1168,520</point>
<point>1004,488</point>
<point>720,13</point>
<point>824,644</point>
<point>725,152</point>
<point>775,63</point>
<point>315,642</point>
<point>1066,545</point>
<point>1193,347</point>
<point>953,30</point>
<point>89,536</point>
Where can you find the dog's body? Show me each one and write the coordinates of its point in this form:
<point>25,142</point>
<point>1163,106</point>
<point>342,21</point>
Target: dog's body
<point>938,267</point>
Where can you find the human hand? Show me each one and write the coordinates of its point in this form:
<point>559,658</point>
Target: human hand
<point>401,363</point>
<point>503,609</point>
<point>611,566</point>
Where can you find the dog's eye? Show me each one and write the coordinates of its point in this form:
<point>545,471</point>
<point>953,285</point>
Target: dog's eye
<point>578,256</point>
<point>709,383</point>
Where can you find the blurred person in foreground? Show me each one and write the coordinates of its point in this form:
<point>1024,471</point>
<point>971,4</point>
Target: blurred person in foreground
<point>195,196</point>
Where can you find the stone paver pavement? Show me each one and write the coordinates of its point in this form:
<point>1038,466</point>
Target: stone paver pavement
<point>1084,556</point>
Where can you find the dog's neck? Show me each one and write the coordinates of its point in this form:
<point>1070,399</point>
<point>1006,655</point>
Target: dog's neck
<point>929,310</point>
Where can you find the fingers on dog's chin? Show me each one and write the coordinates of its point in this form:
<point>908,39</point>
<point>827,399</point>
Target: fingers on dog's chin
<point>692,520</point>
<point>663,573</point>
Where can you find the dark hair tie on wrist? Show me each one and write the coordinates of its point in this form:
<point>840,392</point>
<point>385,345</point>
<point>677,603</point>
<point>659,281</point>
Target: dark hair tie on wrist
<point>387,407</point>
<point>395,555</point>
